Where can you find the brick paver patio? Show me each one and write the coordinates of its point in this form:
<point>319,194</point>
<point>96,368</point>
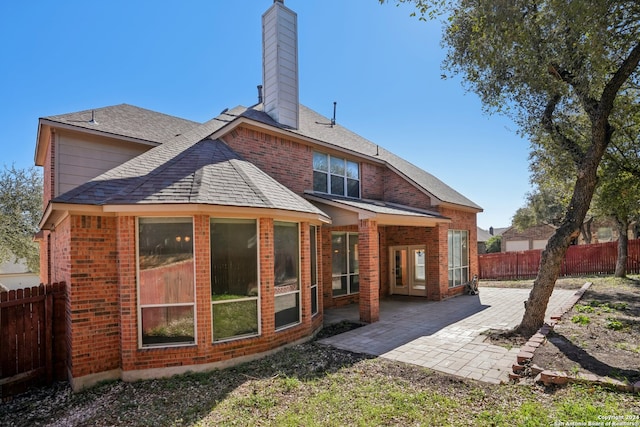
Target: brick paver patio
<point>445,336</point>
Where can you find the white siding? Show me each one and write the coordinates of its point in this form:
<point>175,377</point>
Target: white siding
<point>78,160</point>
<point>517,245</point>
<point>539,244</point>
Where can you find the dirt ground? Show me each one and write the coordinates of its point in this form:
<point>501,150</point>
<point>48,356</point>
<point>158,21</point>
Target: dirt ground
<point>600,335</point>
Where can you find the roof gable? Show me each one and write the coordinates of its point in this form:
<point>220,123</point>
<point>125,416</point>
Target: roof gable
<point>320,128</point>
<point>126,120</point>
<point>179,172</point>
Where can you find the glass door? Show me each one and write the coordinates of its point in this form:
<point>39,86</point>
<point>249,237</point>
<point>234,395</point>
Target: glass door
<point>408,270</point>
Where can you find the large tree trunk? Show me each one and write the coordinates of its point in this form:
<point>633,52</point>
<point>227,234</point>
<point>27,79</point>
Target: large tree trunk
<point>623,247</point>
<point>554,253</point>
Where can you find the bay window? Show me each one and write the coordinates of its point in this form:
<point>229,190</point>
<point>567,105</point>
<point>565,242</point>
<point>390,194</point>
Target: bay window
<point>166,285</point>
<point>287,274</point>
<point>234,279</point>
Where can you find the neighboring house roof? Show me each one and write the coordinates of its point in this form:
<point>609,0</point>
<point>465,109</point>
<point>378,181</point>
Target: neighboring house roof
<point>483,235</point>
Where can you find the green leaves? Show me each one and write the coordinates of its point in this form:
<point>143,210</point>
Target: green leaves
<point>20,212</point>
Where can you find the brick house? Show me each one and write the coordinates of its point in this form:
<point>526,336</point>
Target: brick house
<point>189,246</point>
<point>535,237</point>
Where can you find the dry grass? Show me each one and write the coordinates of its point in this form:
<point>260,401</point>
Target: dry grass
<point>316,385</point>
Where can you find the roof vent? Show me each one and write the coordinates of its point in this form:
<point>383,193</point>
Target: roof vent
<point>93,118</point>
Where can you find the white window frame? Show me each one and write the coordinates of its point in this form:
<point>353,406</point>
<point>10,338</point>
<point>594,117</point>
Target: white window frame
<point>142,346</point>
<point>345,178</point>
<point>347,274</point>
<point>256,298</point>
<point>452,268</point>
<point>297,291</point>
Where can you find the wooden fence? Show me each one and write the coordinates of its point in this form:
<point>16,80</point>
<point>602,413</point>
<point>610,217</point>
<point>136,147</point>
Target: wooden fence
<point>32,337</point>
<point>580,260</point>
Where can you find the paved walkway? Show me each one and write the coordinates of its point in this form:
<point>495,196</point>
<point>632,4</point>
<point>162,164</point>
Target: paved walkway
<point>444,336</point>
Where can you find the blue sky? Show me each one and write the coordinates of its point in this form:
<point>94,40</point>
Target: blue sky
<point>194,58</point>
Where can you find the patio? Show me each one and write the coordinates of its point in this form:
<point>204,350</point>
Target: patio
<point>445,336</point>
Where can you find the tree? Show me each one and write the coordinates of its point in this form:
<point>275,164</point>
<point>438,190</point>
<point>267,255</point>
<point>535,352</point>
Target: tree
<point>618,196</point>
<point>548,63</point>
<point>20,212</point>
<point>494,244</point>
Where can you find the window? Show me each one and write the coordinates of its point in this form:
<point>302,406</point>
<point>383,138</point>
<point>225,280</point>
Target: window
<point>166,282</point>
<point>458,257</point>
<point>335,175</point>
<point>286,269</point>
<point>234,279</point>
<point>344,264</point>
<point>313,237</point>
<point>605,234</point>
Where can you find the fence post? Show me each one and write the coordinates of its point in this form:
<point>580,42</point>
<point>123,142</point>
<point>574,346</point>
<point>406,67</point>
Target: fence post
<point>48,307</point>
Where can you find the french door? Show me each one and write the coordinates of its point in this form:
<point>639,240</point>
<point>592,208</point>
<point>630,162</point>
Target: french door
<point>408,270</point>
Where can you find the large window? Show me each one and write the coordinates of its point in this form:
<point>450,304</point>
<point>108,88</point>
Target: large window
<point>335,175</point>
<point>166,281</point>
<point>287,278</point>
<point>458,257</point>
<point>234,279</point>
<point>344,263</point>
<point>314,269</point>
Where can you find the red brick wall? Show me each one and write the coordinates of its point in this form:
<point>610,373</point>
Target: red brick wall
<point>460,220</point>
<point>205,351</point>
<point>401,236</point>
<point>372,181</point>
<point>398,190</point>
<point>93,295</point>
<point>326,285</point>
<point>368,251</point>
<point>275,156</point>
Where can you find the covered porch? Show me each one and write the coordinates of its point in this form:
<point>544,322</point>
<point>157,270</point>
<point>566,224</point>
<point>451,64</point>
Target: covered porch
<point>374,249</point>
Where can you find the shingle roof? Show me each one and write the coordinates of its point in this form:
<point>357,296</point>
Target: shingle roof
<point>174,173</point>
<point>379,207</point>
<point>318,127</point>
<point>179,171</point>
<point>127,120</point>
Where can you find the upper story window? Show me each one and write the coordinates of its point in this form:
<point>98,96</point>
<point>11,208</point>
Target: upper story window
<point>335,175</point>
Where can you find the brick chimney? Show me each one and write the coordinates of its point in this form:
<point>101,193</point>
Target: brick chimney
<point>280,64</point>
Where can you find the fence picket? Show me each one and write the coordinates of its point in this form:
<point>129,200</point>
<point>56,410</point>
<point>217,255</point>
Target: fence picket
<point>599,258</point>
<point>27,317</point>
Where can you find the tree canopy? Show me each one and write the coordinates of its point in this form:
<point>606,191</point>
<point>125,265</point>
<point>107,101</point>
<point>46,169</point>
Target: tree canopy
<point>20,212</point>
<point>563,68</point>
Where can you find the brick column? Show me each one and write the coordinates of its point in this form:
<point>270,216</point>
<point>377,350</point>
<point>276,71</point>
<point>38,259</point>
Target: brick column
<point>267,278</point>
<point>443,265</point>
<point>368,253</point>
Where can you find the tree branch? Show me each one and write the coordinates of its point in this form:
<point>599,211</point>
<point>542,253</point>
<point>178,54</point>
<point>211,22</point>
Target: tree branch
<point>569,145</point>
